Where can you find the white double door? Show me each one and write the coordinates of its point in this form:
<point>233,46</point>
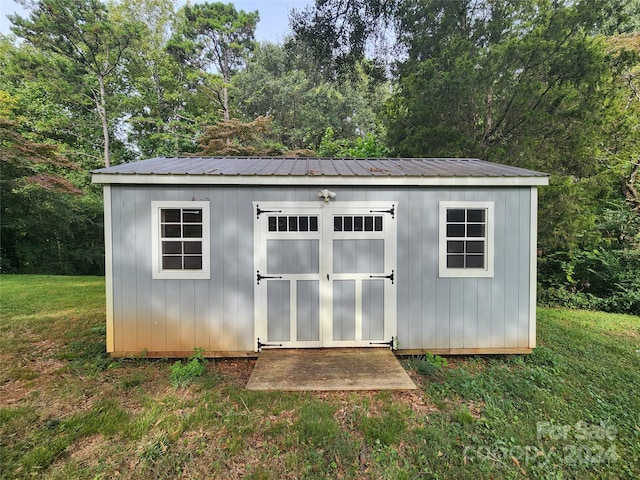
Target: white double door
<point>325,273</point>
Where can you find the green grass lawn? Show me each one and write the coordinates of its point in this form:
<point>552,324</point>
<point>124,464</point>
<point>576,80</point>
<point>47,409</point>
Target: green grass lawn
<point>569,410</point>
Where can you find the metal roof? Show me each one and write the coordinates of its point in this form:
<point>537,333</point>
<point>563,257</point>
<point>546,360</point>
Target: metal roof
<point>268,170</point>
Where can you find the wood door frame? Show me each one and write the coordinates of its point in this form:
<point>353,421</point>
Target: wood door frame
<point>326,235</point>
<point>389,236</point>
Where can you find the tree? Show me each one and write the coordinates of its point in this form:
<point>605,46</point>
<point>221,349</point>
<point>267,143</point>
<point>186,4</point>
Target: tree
<point>165,113</point>
<point>282,84</point>
<point>368,146</point>
<point>32,185</point>
<point>622,135</point>
<point>338,34</point>
<point>236,138</point>
<point>215,36</point>
<point>530,83</point>
<point>92,45</point>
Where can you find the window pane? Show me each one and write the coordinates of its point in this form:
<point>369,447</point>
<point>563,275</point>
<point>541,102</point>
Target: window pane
<point>476,216</point>
<point>368,224</point>
<point>273,224</point>
<point>171,231</point>
<point>455,247</point>
<point>193,231</point>
<point>170,215</point>
<point>193,247</point>
<point>172,247</point>
<point>455,261</point>
<point>455,215</point>
<point>475,230</point>
<point>192,216</point>
<point>193,263</point>
<point>378,227</point>
<point>337,224</point>
<point>475,261</point>
<point>313,224</point>
<point>475,247</point>
<point>303,224</point>
<point>357,224</point>
<point>348,224</point>
<point>172,263</point>
<point>454,230</point>
<point>293,224</point>
<point>282,224</point>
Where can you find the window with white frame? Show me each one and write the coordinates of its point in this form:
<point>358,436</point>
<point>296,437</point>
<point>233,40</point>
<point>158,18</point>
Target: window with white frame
<point>180,247</point>
<point>466,239</point>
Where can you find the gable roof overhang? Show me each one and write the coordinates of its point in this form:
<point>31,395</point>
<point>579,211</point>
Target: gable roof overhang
<point>318,171</point>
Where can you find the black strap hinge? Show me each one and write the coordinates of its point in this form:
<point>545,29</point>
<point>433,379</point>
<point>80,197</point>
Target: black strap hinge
<point>261,277</point>
<point>391,276</point>
<point>259,211</point>
<point>392,211</point>
<point>261,345</point>
<point>393,343</point>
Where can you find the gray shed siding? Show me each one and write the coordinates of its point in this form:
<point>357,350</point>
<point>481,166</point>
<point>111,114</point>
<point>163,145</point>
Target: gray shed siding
<point>218,314</point>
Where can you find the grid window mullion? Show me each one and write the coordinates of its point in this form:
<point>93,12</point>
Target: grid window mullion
<point>466,238</point>
<point>181,233</point>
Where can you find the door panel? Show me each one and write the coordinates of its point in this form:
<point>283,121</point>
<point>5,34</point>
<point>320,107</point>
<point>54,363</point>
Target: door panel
<point>278,303</point>
<point>344,310</point>
<point>292,256</point>
<point>358,256</point>
<point>308,311</point>
<point>373,310</point>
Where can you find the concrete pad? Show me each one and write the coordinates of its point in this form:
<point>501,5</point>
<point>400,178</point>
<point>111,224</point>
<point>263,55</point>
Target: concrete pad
<point>329,369</point>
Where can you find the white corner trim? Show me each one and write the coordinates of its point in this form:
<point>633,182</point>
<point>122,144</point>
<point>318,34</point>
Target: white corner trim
<point>108,267</point>
<point>443,271</point>
<point>533,268</point>
<point>156,262</point>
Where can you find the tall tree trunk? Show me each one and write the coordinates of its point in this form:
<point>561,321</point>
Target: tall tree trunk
<point>225,103</point>
<point>101,106</point>
<point>630,187</point>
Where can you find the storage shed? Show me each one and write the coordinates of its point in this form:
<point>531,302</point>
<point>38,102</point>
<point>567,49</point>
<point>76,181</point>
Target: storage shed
<point>232,255</point>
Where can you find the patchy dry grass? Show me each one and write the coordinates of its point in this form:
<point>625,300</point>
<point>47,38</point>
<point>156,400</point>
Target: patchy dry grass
<point>569,410</point>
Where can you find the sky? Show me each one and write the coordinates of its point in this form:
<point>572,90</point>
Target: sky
<point>272,27</point>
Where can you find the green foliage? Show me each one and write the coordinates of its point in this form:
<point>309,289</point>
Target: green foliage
<point>170,105</point>
<point>427,364</point>
<point>46,224</point>
<point>385,429</point>
<point>607,280</point>
<point>285,83</point>
<point>316,426</point>
<point>568,214</point>
<point>462,416</point>
<point>87,49</point>
<point>236,138</point>
<point>183,374</point>
<point>214,36</point>
<point>362,147</point>
<point>596,261</point>
<point>338,34</point>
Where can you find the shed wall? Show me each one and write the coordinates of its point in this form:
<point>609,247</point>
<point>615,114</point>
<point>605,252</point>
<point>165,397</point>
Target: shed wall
<point>218,314</point>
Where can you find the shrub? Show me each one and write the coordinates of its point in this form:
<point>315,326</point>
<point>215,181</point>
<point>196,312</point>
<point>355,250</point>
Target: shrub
<point>607,280</point>
<point>182,375</point>
<point>427,364</point>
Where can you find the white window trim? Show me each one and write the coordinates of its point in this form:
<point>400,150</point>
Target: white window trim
<point>156,252</point>
<point>442,241</point>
